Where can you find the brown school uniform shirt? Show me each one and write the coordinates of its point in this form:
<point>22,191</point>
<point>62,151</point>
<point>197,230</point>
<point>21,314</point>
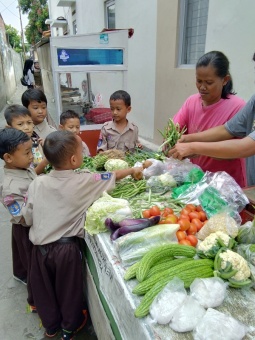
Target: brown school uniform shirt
<point>13,190</point>
<point>57,202</point>
<point>111,138</point>
<point>43,129</point>
<point>85,150</point>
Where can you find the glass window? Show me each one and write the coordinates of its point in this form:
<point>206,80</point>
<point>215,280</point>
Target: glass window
<point>110,14</point>
<point>193,25</point>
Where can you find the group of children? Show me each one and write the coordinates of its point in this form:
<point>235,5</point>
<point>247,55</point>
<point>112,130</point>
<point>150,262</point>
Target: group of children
<point>48,211</point>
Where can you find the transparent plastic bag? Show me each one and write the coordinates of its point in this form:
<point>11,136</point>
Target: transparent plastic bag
<point>167,301</point>
<point>157,168</point>
<point>161,183</point>
<point>217,325</point>
<point>247,251</point>
<point>209,292</point>
<point>246,233</point>
<point>179,169</point>
<point>131,247</point>
<point>187,315</point>
<point>222,221</point>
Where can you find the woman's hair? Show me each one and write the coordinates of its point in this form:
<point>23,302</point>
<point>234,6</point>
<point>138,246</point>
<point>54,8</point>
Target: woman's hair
<point>220,63</point>
<point>68,115</point>
<point>33,94</point>
<point>15,111</point>
<point>28,66</point>
<point>10,139</point>
<point>121,95</point>
<point>59,147</point>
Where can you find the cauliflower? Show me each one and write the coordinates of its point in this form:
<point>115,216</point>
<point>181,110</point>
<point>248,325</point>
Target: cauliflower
<point>167,180</point>
<point>238,263</point>
<point>219,222</point>
<point>115,164</point>
<point>212,243</point>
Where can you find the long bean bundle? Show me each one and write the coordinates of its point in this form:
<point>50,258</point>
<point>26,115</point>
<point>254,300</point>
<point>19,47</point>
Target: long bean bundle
<point>171,134</point>
<point>128,188</point>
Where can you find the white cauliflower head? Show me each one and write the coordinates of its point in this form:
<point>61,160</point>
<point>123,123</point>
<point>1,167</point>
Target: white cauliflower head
<point>238,263</point>
<point>212,239</point>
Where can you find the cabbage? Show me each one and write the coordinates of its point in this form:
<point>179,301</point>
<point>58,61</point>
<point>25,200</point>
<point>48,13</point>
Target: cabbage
<point>115,164</point>
<point>106,207</point>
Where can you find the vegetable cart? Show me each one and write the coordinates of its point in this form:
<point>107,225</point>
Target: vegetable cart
<point>111,302</point>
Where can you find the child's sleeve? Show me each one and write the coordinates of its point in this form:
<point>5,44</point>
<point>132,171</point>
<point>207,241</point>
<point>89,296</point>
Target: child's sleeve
<point>102,141</point>
<point>27,209</point>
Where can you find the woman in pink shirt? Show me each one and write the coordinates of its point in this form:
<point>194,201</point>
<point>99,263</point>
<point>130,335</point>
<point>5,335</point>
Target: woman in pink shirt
<point>213,105</point>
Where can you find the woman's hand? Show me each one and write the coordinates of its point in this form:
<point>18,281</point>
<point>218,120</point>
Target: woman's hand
<point>181,150</point>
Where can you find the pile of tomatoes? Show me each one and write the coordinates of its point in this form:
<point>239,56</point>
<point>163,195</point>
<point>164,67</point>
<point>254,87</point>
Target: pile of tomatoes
<point>191,220</point>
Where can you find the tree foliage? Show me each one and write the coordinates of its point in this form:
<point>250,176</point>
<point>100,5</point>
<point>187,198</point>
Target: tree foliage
<point>38,12</point>
<point>14,38</point>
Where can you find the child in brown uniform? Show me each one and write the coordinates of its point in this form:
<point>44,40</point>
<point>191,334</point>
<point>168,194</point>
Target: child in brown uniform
<point>16,151</point>
<point>56,210</point>
<point>119,133</point>
<point>70,121</point>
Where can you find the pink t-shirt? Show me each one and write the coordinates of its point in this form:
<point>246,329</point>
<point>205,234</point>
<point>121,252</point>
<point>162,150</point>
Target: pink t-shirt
<point>198,118</point>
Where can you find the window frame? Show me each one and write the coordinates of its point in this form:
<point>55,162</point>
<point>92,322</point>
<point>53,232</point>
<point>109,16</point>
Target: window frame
<point>107,4</point>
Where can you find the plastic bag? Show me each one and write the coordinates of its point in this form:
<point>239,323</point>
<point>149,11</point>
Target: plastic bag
<point>209,292</point>
<point>219,222</point>
<point>167,301</point>
<point>157,168</point>
<point>187,315</point>
<point>106,206</point>
<point>133,246</point>
<point>217,325</point>
<point>246,233</point>
<point>179,169</point>
<point>162,183</point>
<point>247,251</point>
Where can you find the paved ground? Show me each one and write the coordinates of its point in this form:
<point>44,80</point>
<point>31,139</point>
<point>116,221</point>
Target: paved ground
<point>15,322</point>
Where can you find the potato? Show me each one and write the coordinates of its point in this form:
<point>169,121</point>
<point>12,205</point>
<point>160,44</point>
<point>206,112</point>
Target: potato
<point>147,164</point>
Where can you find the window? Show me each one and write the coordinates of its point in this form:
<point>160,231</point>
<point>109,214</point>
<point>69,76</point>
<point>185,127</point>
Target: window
<point>193,25</point>
<point>110,14</point>
<point>74,27</point>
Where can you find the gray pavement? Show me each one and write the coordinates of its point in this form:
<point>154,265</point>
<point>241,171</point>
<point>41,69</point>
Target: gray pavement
<point>16,322</point>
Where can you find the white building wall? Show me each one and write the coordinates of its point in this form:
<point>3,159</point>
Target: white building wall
<point>231,29</point>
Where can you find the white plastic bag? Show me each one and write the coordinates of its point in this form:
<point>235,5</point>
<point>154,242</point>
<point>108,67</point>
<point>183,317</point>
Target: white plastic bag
<point>167,301</point>
<point>187,315</point>
<point>217,325</point>
<point>209,292</point>
<point>157,168</point>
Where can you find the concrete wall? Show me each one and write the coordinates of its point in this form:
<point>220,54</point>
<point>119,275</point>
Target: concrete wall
<point>11,68</point>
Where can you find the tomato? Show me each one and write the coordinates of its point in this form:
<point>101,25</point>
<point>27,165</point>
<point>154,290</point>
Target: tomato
<point>192,229</point>
<point>155,211</point>
<point>171,219</point>
<point>184,224</point>
<point>194,214</point>
<point>146,213</point>
<point>190,206</point>
<point>184,216</point>
<point>169,211</point>
<point>185,211</point>
<point>192,239</point>
<point>185,242</point>
<point>199,208</point>
<point>181,235</point>
<point>197,223</point>
<point>202,215</point>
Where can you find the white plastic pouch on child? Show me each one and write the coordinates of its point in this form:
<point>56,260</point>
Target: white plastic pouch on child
<point>167,301</point>
<point>209,292</point>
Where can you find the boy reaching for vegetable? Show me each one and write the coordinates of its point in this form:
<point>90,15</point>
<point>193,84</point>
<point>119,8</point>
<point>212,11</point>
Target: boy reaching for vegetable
<point>119,133</point>
<point>56,209</point>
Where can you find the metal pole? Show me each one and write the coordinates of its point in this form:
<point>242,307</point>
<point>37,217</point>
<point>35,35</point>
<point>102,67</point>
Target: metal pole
<point>22,34</point>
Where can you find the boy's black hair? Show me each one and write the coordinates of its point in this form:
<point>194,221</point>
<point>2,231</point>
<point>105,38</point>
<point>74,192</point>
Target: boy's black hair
<point>33,94</point>
<point>122,95</point>
<point>15,111</point>
<point>10,139</point>
<point>220,63</point>
<point>68,115</point>
<point>59,146</point>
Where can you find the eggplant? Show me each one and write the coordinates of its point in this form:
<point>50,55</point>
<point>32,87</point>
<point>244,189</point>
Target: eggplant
<point>110,225</point>
<point>115,234</point>
<point>128,225</point>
